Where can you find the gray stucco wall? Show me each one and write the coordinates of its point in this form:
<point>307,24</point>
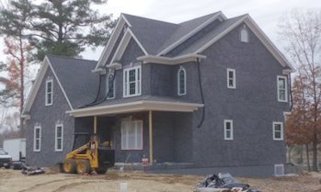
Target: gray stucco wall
<point>47,117</point>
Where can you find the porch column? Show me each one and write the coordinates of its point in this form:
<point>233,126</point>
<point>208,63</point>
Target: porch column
<point>150,122</point>
<point>95,125</point>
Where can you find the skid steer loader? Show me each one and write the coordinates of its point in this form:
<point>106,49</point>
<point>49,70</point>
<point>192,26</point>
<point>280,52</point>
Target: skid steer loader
<point>89,157</point>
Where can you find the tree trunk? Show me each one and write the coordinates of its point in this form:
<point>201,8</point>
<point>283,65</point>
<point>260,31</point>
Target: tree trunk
<point>315,153</point>
<point>289,154</point>
<point>22,62</point>
<point>308,156</point>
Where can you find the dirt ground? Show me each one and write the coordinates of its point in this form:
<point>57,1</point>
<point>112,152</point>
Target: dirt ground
<point>14,181</point>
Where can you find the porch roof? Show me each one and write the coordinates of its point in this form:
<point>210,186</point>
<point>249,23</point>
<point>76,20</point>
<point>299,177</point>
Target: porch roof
<point>111,108</point>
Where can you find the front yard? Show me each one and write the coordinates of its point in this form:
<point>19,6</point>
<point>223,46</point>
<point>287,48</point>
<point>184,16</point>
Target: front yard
<point>14,181</point>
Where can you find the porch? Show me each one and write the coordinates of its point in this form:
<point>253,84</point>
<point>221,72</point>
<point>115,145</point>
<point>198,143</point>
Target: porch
<point>160,132</point>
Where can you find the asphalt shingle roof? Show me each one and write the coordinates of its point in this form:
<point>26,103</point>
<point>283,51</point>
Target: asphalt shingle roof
<point>157,35</point>
<point>211,35</point>
<point>75,75</point>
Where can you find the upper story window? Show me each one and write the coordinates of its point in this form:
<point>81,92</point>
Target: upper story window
<point>181,81</point>
<point>228,129</point>
<point>37,138</point>
<point>231,80</point>
<point>132,134</point>
<point>59,132</point>
<point>277,131</point>
<point>110,86</point>
<point>49,92</point>
<point>282,89</point>
<point>132,81</point>
<point>244,35</point>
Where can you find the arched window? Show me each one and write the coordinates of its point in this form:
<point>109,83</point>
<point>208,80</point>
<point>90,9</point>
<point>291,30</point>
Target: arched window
<point>244,35</point>
<point>110,86</point>
<point>181,81</point>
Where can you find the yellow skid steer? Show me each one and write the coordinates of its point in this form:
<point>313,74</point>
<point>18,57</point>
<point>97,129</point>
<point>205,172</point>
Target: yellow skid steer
<point>89,157</point>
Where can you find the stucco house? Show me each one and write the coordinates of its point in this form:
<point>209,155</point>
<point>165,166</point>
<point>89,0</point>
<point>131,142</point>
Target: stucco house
<point>209,93</point>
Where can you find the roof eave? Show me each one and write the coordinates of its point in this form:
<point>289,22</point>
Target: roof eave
<point>136,107</point>
<point>170,60</point>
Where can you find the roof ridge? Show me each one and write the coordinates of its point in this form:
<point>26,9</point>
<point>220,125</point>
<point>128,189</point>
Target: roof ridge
<point>194,19</point>
<point>69,57</point>
<point>150,19</point>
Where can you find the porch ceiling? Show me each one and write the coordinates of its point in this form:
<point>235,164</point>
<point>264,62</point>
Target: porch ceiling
<point>136,106</point>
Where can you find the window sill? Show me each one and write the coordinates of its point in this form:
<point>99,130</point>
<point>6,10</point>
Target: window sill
<point>126,96</point>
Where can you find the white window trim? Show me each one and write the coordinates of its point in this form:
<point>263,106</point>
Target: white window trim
<point>178,81</point>
<point>282,131</point>
<point>276,167</point>
<point>141,141</point>
<point>232,131</point>
<point>138,84</point>
<point>107,87</point>
<point>46,92</point>
<point>34,138</point>
<point>244,31</point>
<point>228,78</point>
<point>62,137</point>
<point>286,88</point>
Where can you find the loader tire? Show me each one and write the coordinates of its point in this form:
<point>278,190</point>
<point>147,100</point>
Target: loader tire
<point>102,169</point>
<point>83,167</point>
<point>69,166</point>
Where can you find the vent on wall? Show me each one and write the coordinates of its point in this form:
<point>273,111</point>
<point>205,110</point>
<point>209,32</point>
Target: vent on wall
<point>278,170</point>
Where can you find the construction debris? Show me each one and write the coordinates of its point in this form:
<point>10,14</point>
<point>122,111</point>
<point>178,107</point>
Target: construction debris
<point>32,170</point>
<point>223,182</point>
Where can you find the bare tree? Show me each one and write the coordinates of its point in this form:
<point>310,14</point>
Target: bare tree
<point>301,31</point>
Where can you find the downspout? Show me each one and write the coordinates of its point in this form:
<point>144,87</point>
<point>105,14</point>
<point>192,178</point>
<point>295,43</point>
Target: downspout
<point>201,93</point>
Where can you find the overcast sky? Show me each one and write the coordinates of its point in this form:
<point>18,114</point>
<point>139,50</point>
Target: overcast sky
<point>266,13</point>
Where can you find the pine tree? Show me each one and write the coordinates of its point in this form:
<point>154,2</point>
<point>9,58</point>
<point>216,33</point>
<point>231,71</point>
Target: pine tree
<point>60,27</point>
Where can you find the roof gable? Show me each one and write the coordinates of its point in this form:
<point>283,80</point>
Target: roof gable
<point>158,38</point>
<point>122,25</point>
<point>250,23</point>
<point>39,79</point>
<point>73,77</point>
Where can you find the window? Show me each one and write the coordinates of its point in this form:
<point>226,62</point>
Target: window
<point>181,81</point>
<point>37,138</point>
<point>59,137</point>
<point>110,86</point>
<point>228,129</point>
<point>231,82</point>
<point>132,135</point>
<point>278,170</point>
<point>244,35</point>
<point>277,131</point>
<point>132,81</point>
<point>49,92</point>
<point>282,89</point>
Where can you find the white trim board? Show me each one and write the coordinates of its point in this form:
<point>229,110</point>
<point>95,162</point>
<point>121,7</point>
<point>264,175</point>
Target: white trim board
<point>136,106</point>
<point>123,45</point>
<point>170,60</point>
<point>112,40</point>
<point>259,34</point>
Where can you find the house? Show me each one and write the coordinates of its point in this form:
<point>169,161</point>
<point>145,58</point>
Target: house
<point>209,92</point>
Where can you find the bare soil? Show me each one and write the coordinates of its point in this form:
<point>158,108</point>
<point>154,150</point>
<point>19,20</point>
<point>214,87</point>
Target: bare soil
<point>14,181</point>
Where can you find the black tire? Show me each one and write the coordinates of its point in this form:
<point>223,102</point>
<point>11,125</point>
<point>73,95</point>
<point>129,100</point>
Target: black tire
<point>102,169</point>
<point>83,167</point>
<point>69,166</point>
